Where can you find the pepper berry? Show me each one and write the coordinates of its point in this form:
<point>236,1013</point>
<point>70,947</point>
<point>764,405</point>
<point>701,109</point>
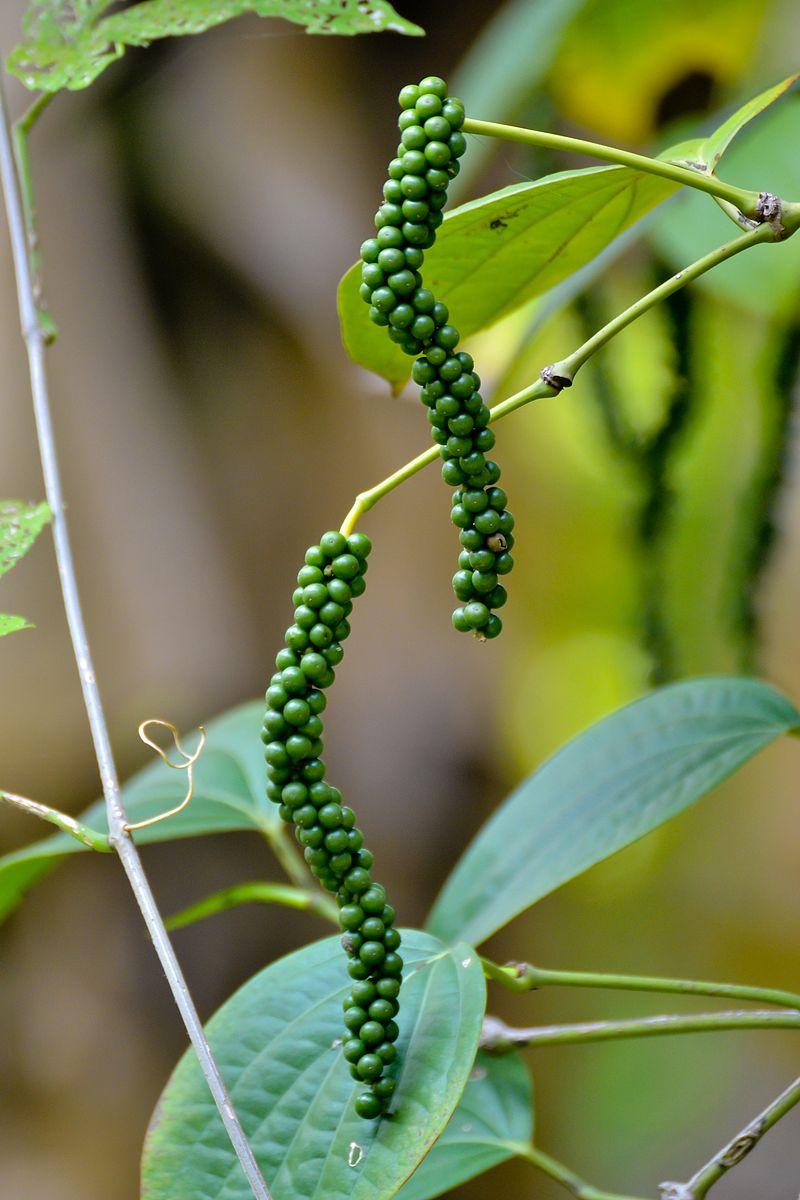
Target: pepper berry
<point>332,847</point>
<point>431,144</point>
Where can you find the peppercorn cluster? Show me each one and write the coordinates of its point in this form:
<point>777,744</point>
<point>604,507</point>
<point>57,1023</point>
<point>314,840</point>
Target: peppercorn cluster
<point>332,577</point>
<point>406,223</point>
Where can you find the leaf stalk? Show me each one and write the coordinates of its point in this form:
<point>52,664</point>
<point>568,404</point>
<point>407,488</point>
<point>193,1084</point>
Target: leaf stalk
<point>525,977</point>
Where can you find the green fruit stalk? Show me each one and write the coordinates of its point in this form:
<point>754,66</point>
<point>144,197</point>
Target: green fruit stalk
<point>406,223</point>
<point>333,576</point>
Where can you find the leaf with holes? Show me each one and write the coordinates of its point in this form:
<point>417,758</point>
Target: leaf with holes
<point>494,1119</point>
<point>277,1041</point>
<point>610,785</point>
<point>495,254</point>
<point>68,43</point>
<point>229,795</point>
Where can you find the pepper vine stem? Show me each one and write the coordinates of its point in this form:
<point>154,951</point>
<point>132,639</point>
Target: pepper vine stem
<point>93,838</point>
<point>499,1038</point>
<point>21,132</point>
<point>734,1151</point>
<point>118,835</point>
<point>562,374</point>
<point>573,1183</point>
<point>256,893</point>
<point>745,201</point>
<point>525,977</point>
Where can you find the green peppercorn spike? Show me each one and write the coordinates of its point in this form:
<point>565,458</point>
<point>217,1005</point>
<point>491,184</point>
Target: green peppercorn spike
<point>333,847</point>
<point>431,142</point>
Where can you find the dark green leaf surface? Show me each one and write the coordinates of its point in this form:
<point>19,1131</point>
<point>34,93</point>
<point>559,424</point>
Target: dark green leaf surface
<point>20,525</point>
<point>493,1119</point>
<point>277,1041</point>
<point>68,43</point>
<point>229,794</point>
<point>717,143</point>
<point>621,778</point>
<point>495,254</point>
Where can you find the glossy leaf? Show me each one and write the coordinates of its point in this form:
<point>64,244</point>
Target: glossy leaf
<point>68,43</point>
<point>495,254</point>
<point>277,1041</point>
<point>717,143</point>
<point>613,783</point>
<point>229,795</point>
<point>493,1120</point>
<point>20,525</point>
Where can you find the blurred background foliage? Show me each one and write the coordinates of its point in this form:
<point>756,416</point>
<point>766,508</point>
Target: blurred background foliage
<point>198,207</point>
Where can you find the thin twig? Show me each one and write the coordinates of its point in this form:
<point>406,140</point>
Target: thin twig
<point>746,201</point>
<point>93,838</point>
<point>732,1154</point>
<point>573,1183</point>
<point>119,835</point>
<point>525,977</point>
<point>499,1038</point>
<point>255,893</point>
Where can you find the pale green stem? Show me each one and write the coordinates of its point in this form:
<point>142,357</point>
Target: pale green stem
<point>292,862</point>
<point>567,368</point>
<point>573,1183</point>
<point>571,365</point>
<point>21,133</point>
<point>524,977</point>
<point>254,893</point>
<point>92,838</point>
<point>735,1150</point>
<point>499,1038</point>
<point>746,201</point>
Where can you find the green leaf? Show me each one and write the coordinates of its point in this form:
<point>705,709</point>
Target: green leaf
<point>492,1121</point>
<point>20,525</point>
<point>277,1041</point>
<point>621,778</point>
<point>229,795</point>
<point>495,254</point>
<point>10,624</point>
<point>717,143</point>
<point>68,43</point>
<point>765,280</point>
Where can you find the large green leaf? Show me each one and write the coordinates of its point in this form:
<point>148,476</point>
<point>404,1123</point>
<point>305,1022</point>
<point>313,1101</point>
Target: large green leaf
<point>715,145</point>
<point>20,525</point>
<point>606,788</point>
<point>229,794</point>
<point>493,1120</point>
<point>277,1041</point>
<point>767,278</point>
<point>68,43</point>
<point>495,254</point>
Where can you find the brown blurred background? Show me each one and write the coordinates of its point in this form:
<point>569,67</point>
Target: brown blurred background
<point>198,206</point>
